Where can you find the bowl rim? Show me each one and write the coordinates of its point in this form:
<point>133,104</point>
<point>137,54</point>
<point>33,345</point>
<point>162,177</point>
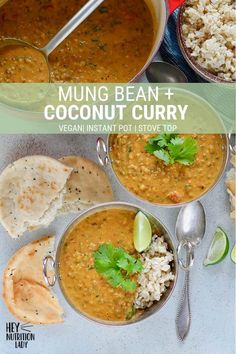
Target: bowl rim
<point>92,211</point>
<point>202,72</point>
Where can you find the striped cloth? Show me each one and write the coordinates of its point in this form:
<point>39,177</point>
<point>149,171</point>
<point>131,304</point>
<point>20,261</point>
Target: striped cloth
<point>170,51</point>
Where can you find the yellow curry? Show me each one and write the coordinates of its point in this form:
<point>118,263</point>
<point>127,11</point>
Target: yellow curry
<point>19,62</point>
<point>112,45</point>
<point>149,178</point>
<point>86,290</point>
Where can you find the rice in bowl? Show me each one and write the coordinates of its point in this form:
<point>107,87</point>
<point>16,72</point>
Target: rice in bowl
<point>157,274</point>
<point>209,32</point>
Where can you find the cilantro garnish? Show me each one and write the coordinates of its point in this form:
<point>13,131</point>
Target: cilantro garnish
<point>116,266</point>
<point>173,148</point>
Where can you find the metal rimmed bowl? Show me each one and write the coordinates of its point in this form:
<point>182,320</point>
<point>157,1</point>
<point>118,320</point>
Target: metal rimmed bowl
<point>199,70</point>
<point>104,157</point>
<point>55,263</point>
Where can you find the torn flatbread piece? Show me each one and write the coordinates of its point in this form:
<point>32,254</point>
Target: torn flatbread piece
<point>88,185</point>
<point>230,184</point>
<point>24,290</point>
<point>31,193</point>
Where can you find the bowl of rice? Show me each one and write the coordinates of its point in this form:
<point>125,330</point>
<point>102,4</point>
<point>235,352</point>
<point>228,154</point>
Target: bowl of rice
<point>207,37</point>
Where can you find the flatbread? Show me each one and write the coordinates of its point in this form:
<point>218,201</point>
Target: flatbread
<point>24,290</point>
<point>88,185</point>
<point>230,184</point>
<point>31,192</point>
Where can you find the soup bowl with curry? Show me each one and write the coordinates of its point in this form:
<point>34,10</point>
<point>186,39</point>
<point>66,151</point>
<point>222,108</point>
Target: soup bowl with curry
<point>166,169</point>
<point>116,264</point>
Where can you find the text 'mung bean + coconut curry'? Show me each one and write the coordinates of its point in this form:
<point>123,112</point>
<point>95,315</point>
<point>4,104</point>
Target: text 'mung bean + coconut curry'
<point>111,45</point>
<point>157,181</point>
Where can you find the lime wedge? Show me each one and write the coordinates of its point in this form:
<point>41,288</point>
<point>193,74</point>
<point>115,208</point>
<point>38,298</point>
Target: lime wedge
<point>233,254</point>
<point>142,232</point>
<point>219,248</point>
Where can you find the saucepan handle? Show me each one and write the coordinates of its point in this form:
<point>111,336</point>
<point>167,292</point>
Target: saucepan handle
<point>231,143</point>
<point>102,152</point>
<point>50,280</point>
<point>174,4</point>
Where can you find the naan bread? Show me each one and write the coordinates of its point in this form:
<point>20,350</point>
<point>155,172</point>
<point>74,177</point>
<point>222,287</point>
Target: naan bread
<point>230,184</point>
<point>31,192</point>
<point>88,185</point>
<point>24,290</point>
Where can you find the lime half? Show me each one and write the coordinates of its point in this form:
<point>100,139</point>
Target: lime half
<point>218,249</point>
<point>142,232</point>
<point>233,254</point>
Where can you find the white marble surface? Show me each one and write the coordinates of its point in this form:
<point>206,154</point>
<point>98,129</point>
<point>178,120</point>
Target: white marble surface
<point>212,289</point>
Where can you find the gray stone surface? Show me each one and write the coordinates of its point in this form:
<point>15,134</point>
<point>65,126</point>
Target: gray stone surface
<point>212,289</point>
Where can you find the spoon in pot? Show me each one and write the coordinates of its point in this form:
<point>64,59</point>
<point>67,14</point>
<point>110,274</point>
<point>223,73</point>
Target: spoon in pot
<point>190,230</point>
<point>163,72</point>
<point>42,62</point>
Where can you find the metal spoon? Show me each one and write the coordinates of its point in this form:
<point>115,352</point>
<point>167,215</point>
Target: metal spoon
<point>190,230</point>
<point>64,32</point>
<point>163,72</point>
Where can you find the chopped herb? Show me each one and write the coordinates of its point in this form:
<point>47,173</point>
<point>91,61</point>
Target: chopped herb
<point>103,9</point>
<point>90,267</point>
<point>96,28</point>
<point>81,43</point>
<point>102,46</point>
<point>116,266</point>
<point>92,65</point>
<point>131,313</point>
<point>172,148</point>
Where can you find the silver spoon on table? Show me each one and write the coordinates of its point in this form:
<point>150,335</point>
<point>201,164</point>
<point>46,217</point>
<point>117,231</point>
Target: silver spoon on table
<point>190,230</point>
<point>64,32</point>
<point>162,72</point>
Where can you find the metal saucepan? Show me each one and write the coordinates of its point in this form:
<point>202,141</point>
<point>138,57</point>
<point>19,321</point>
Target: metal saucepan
<point>55,263</point>
<point>160,9</point>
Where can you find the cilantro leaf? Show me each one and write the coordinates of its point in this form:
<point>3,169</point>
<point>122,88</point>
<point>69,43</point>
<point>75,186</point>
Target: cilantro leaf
<point>158,142</point>
<point>104,258</point>
<point>130,264</point>
<point>116,265</point>
<point>173,148</point>
<point>128,285</point>
<point>185,152</point>
<point>177,140</point>
<point>151,147</point>
<point>114,277</point>
<point>163,155</point>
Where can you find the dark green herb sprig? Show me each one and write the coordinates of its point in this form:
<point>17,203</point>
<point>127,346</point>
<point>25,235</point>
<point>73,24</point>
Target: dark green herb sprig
<point>173,148</point>
<point>116,266</point>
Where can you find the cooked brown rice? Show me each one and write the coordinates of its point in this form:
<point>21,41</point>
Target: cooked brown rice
<point>156,276</point>
<point>209,29</point>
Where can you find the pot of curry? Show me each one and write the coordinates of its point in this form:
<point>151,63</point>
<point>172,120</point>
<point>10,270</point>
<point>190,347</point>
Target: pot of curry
<point>103,276</point>
<point>166,169</point>
<point>114,44</point>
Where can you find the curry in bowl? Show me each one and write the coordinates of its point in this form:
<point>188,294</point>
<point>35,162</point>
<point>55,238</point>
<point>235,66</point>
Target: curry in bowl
<point>103,276</point>
<point>168,168</point>
<point>112,45</point>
